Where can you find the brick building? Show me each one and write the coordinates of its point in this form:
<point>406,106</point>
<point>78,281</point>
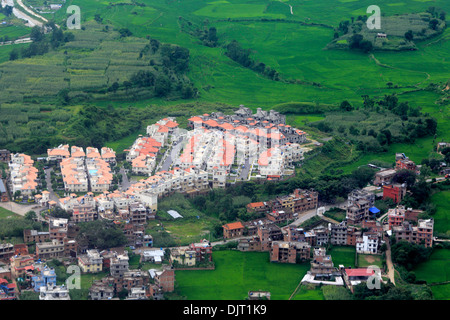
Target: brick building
<point>233,230</point>
<point>396,192</point>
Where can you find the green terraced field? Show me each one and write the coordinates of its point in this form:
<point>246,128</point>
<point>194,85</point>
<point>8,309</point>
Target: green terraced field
<point>293,44</point>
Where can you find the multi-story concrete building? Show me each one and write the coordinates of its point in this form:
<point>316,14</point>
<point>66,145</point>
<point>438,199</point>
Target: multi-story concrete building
<point>23,174</point>
<point>91,262</point>
<point>50,250</point>
<point>398,215</point>
<point>359,204</point>
<point>384,177</point>
<point>203,250</point>
<point>119,265</point>
<point>420,234</point>
<point>35,236</point>
<point>368,243</point>
<point>6,251</point>
<point>396,192</point>
<point>53,292</point>
<point>289,252</point>
<point>101,291</point>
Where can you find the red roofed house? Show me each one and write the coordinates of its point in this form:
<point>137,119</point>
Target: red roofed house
<point>233,230</point>
<point>258,207</point>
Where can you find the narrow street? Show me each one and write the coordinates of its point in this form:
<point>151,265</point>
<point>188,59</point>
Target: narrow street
<point>390,265</point>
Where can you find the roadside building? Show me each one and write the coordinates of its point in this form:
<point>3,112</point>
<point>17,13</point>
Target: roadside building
<point>233,230</point>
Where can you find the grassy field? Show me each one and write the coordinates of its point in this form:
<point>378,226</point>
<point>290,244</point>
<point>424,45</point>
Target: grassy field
<point>290,46</point>
<point>237,273</point>
<point>441,217</point>
<point>343,255</point>
<point>436,269</point>
<point>5,214</point>
<point>366,260</point>
<point>441,292</point>
<point>309,293</point>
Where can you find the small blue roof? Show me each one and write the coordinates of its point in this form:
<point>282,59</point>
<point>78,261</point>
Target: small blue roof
<point>374,210</point>
<point>2,186</point>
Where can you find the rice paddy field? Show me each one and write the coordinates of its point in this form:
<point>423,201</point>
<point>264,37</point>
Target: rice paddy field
<point>237,273</point>
<point>436,269</point>
<point>292,42</point>
<point>441,217</point>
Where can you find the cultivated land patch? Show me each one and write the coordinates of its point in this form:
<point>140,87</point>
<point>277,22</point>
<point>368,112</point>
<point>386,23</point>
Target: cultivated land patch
<point>343,255</point>
<point>442,215</point>
<point>237,273</point>
<point>436,269</point>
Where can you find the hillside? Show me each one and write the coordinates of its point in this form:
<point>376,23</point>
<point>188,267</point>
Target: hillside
<point>397,33</point>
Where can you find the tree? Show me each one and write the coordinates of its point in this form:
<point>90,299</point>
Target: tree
<point>346,106</point>
<point>409,255</point>
<point>405,176</point>
<point>17,194</point>
<point>30,215</point>
<point>409,35</point>
<point>36,34</point>
<point>101,234</point>
<point>14,54</point>
<point>434,24</point>
<point>366,46</point>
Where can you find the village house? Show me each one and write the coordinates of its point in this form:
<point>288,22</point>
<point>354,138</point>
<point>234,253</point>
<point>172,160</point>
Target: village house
<point>53,292</point>
<point>182,256</point>
<point>22,266</point>
<point>233,230</point>
<point>289,252</point>
<point>50,250</point>
<point>359,204</point>
<point>35,236</point>
<point>203,250</point>
<point>91,262</point>
<point>384,177</point>
<point>5,155</point>
<point>398,215</point>
<point>101,291</point>
<point>353,277</point>
<point>396,192</point>
<point>422,233</point>
<point>253,244</point>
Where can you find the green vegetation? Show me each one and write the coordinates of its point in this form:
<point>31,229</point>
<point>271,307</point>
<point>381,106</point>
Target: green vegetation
<point>100,234</point>
<point>436,269</point>
<point>408,255</point>
<point>402,31</point>
<point>343,255</point>
<point>366,260</point>
<point>236,273</point>
<point>441,217</point>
